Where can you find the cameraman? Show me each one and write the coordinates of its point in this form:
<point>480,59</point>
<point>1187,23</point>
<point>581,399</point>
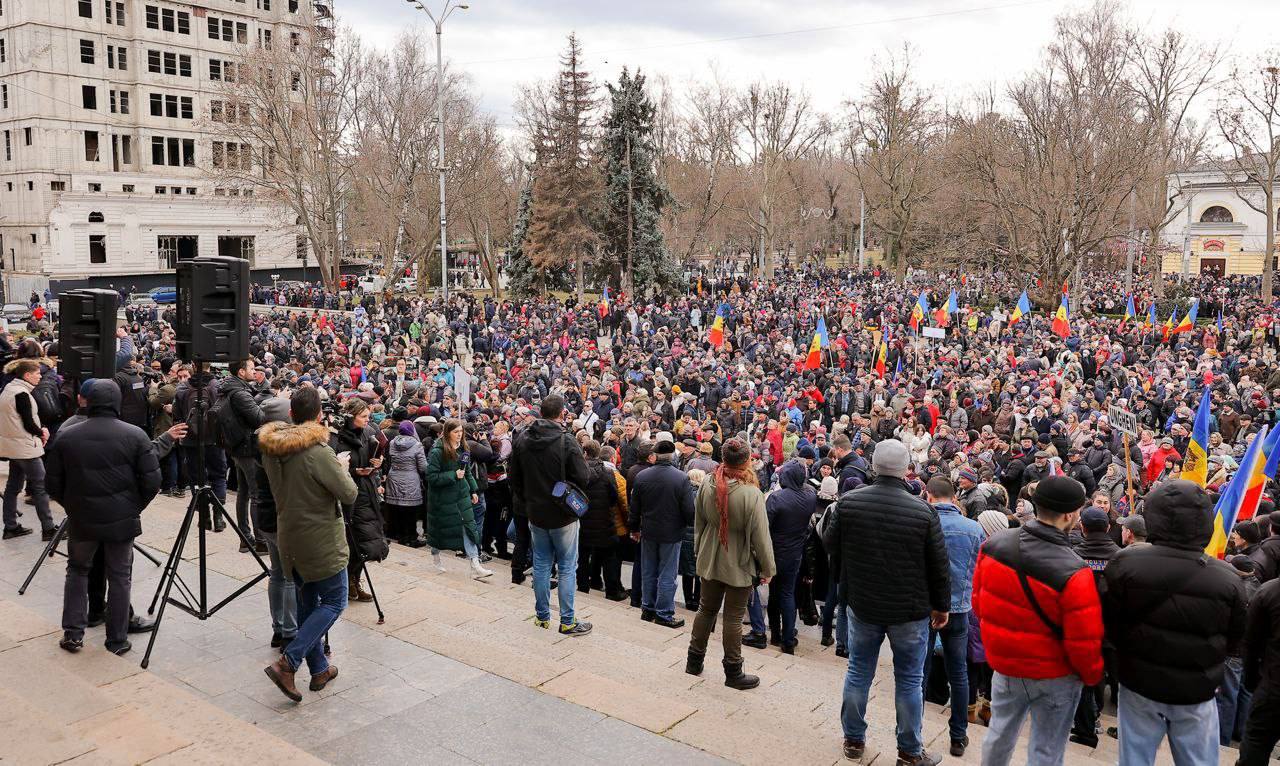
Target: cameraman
<point>185,400</point>
<point>355,438</point>
<point>239,417</point>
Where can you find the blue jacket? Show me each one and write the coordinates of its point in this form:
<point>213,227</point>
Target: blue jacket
<point>789,509</point>
<point>964,537</point>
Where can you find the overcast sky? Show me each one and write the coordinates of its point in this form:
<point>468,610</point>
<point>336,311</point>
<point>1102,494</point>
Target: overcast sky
<point>826,45</point>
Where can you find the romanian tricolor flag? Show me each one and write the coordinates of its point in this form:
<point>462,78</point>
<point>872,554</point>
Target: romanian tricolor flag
<point>1129,311</point>
<point>1253,492</point>
<point>897,368</point>
<point>1022,308</point>
<point>1062,320</point>
<point>882,355</point>
<point>919,312</point>
<point>604,302</point>
<point>1232,500</point>
<point>1170,323</point>
<point>1151,316</point>
<point>716,334</point>
<point>820,340</point>
<point>1196,466</point>
<point>1188,322</point>
<point>944,312</point>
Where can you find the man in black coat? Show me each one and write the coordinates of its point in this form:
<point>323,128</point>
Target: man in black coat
<point>661,507</point>
<point>103,472</point>
<point>1174,614</point>
<point>889,548</point>
<point>1097,548</point>
<point>241,418</point>
<point>1262,676</point>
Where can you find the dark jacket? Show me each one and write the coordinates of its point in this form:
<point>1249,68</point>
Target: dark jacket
<point>1173,613</point>
<point>661,504</point>
<point>364,514</point>
<point>243,417</point>
<point>449,507</point>
<point>789,508</point>
<point>1262,638</point>
<point>103,471</point>
<point>1269,563</point>
<point>598,528</point>
<point>888,547</point>
<point>541,455</point>
<point>1018,642</point>
<point>1096,548</point>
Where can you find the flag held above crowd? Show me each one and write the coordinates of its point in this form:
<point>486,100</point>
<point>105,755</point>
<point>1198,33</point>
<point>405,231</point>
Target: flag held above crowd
<point>1062,320</point>
<point>1022,309</point>
<point>1231,504</point>
<point>716,334</point>
<point>1196,466</point>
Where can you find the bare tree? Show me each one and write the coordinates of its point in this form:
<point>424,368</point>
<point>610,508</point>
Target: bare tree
<point>286,116</point>
<point>1249,120</point>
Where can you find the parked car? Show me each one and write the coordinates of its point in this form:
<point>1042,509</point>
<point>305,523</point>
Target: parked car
<point>407,285</point>
<point>163,294</point>
<point>372,283</point>
<point>16,313</point>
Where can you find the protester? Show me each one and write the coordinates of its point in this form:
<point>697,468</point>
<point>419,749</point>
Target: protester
<point>282,597</point>
<point>660,507</point>
<point>452,494</point>
<point>22,442</point>
<point>889,547</point>
<point>364,514</point>
<point>310,485</point>
<point>1174,615</point>
<point>239,416</point>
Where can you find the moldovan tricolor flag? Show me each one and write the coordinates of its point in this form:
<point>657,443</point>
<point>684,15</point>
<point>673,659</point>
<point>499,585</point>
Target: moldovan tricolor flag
<point>1170,323</point>
<point>1129,311</point>
<point>1151,315</point>
<point>716,334</point>
<point>1062,320</point>
<point>1196,466</point>
<point>814,360</point>
<point>1231,502</point>
<point>1253,492</point>
<point>604,302</point>
<point>882,355</point>
<point>1022,308</point>
<point>919,312</point>
<point>1188,322</point>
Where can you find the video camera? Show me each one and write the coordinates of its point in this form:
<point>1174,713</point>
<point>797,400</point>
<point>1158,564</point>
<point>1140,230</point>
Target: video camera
<point>334,417</point>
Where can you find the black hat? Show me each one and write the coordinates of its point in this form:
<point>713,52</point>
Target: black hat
<point>1243,563</point>
<point>664,447</point>
<point>1094,519</point>
<point>1059,494</point>
<point>1248,531</point>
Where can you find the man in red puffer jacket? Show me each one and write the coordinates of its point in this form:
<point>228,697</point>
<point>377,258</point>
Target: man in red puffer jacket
<point>1042,651</point>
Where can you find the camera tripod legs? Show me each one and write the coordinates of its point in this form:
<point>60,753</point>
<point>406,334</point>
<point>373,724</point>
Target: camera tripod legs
<point>52,547</point>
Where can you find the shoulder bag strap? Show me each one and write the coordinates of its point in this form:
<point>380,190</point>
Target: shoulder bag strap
<point>1053,627</point>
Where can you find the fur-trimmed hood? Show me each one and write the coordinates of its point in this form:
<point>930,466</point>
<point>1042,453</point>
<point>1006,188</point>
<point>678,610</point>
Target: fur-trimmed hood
<point>12,365</point>
<point>285,439</point>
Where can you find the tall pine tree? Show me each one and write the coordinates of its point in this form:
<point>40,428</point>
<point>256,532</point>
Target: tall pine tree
<point>565,187</point>
<point>634,197</point>
<point>522,277</point>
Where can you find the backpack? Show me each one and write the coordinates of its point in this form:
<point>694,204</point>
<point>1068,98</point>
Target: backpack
<point>133,399</point>
<point>48,398</point>
<point>223,426</point>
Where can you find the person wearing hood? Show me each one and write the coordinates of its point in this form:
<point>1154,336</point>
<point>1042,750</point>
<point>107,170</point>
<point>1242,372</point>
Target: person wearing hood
<point>1174,615</point>
<point>789,510</point>
<point>544,454</point>
<point>310,484</point>
<point>104,477</point>
<point>406,476</point>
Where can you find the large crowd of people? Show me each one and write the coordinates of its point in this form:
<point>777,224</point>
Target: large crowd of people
<point>961,491</point>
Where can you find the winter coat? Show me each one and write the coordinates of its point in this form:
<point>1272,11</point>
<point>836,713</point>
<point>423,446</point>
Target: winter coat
<point>1017,641</point>
<point>449,513</point>
<point>406,471</point>
<point>598,527</point>
<point>1262,639</point>
<point>1173,612</point>
<point>964,538</point>
<point>17,409</point>
<point>244,413</point>
<point>660,506</point>
<point>365,512</point>
<point>310,487</point>
<point>748,553</point>
<point>888,546</point>
<point>103,471</point>
<point>541,455</point>
<point>789,509</point>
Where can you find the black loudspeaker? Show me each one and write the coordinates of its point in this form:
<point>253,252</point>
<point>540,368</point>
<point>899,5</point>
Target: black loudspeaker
<point>87,333</point>
<point>213,309</point>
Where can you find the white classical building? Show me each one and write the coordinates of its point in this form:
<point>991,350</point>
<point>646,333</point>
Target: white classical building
<point>104,140</point>
<point>1215,230</point>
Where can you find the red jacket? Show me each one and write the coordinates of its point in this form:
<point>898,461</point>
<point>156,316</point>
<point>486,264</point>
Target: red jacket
<point>1017,640</point>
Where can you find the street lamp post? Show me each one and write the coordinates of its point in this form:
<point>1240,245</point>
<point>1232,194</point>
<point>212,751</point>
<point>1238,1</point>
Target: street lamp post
<point>449,8</point>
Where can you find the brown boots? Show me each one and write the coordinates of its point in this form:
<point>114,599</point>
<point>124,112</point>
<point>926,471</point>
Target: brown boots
<point>980,712</point>
<point>282,675</point>
<point>355,592</point>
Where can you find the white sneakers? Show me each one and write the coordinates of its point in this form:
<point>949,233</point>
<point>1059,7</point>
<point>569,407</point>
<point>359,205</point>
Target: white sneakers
<point>435,559</point>
<point>479,572</point>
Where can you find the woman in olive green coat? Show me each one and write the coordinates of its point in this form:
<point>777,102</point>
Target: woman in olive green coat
<point>452,492</point>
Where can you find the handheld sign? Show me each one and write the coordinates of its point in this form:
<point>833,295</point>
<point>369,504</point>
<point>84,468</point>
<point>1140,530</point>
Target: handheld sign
<point>934,332</point>
<point>1123,420</point>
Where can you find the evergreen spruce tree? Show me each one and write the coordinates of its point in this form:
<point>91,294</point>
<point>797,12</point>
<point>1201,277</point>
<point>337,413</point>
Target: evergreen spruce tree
<point>522,277</point>
<point>634,196</point>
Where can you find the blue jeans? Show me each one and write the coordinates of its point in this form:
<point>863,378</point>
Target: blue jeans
<point>660,562</point>
<point>955,655</point>
<point>281,596</point>
<point>783,588</point>
<point>1143,723</point>
<point>833,607</point>
<point>1233,702</point>
<point>169,471</point>
<point>1051,703</point>
<point>908,642</point>
<point>479,510</point>
<point>320,604</point>
<point>755,612</point>
<point>558,546</point>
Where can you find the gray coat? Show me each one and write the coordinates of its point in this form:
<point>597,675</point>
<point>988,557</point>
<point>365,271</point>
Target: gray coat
<point>407,465</point>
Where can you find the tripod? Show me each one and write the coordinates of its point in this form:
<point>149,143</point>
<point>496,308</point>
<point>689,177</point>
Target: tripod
<point>206,505</point>
<point>52,548</point>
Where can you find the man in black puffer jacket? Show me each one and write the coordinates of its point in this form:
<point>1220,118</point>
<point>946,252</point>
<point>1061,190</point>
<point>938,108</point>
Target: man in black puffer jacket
<point>240,418</point>
<point>1173,614</point>
<point>103,472</point>
<point>888,546</point>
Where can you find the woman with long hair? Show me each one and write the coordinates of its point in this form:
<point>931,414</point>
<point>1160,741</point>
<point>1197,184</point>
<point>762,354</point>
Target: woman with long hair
<point>452,493</point>
<point>734,553</point>
<point>364,516</point>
